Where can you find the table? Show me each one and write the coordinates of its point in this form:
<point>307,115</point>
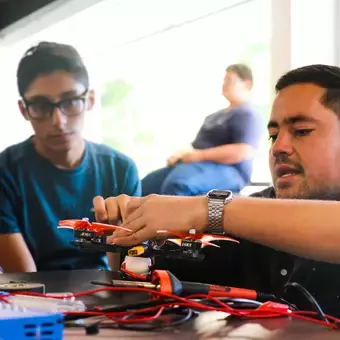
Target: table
<point>79,280</point>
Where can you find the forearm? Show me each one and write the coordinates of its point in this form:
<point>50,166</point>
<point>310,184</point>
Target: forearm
<point>308,229</point>
<point>15,265</point>
<point>227,154</point>
<point>15,257</point>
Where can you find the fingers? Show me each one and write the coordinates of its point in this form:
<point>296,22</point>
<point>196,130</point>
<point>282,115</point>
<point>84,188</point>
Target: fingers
<point>100,209</point>
<point>113,209</point>
<point>137,237</point>
<point>173,159</point>
<point>134,223</point>
<point>122,208</point>
<point>133,204</point>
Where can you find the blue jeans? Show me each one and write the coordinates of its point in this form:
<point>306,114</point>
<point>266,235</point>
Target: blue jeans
<point>192,179</point>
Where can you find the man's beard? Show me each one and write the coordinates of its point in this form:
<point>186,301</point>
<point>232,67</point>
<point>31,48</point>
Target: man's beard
<point>323,194</point>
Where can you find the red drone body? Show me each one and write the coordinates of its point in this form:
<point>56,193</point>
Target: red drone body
<point>100,229</point>
<point>93,236</point>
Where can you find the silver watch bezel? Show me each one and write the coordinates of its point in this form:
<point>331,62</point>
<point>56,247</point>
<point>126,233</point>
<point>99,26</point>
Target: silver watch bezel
<point>220,194</point>
<point>219,197</point>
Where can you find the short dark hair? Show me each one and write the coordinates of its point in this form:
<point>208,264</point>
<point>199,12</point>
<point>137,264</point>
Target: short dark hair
<point>242,70</point>
<point>46,58</point>
<point>325,76</point>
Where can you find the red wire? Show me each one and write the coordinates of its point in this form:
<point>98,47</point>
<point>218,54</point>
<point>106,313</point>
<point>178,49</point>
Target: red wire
<point>184,302</point>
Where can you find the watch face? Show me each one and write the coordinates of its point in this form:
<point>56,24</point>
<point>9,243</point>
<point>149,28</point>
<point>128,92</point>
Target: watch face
<point>219,194</point>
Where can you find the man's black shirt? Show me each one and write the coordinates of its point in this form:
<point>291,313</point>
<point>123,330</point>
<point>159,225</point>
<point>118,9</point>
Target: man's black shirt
<point>253,266</point>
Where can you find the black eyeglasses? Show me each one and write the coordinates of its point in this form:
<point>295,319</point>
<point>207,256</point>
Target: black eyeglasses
<point>40,109</point>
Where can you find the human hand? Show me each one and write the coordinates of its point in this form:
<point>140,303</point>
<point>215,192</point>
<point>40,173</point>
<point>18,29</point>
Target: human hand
<point>172,160</point>
<point>192,156</point>
<point>177,156</point>
<point>145,216</point>
<point>111,210</point>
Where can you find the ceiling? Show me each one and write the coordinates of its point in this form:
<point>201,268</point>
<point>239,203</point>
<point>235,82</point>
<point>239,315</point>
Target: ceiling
<point>14,10</point>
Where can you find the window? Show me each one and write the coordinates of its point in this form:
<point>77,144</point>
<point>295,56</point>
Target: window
<point>158,88</point>
<point>157,69</point>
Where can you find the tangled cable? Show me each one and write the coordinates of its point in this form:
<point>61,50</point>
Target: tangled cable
<point>167,310</point>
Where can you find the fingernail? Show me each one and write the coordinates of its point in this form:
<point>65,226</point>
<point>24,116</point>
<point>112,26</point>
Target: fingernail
<point>113,241</point>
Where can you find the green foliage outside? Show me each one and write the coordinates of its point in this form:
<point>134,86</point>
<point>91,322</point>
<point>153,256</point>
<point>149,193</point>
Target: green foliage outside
<point>120,121</point>
<point>122,125</point>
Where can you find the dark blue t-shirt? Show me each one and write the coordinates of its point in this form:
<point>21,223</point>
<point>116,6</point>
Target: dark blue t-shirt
<point>35,195</point>
<point>240,124</point>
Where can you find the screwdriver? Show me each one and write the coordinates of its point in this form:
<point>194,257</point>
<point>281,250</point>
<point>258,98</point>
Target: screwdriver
<point>165,282</point>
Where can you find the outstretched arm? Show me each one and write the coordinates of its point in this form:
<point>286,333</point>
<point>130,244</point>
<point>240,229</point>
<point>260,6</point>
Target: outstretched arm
<point>305,228</point>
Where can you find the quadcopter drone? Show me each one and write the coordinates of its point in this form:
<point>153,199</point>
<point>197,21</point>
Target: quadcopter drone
<point>92,236</point>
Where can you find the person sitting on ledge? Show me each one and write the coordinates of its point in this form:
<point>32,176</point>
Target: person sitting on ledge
<point>223,150</point>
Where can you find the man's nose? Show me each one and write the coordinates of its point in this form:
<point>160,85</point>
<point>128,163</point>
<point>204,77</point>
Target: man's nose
<point>282,145</point>
<point>58,118</point>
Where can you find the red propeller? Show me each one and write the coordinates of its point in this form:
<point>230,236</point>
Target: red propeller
<point>86,224</point>
<point>206,239</point>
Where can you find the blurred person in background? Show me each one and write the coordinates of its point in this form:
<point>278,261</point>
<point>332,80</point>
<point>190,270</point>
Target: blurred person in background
<point>222,153</point>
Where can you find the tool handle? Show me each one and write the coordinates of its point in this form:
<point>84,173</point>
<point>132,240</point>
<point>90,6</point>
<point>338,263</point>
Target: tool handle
<point>218,291</point>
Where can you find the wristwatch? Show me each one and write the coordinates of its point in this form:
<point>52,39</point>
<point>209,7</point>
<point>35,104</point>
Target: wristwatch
<point>217,199</point>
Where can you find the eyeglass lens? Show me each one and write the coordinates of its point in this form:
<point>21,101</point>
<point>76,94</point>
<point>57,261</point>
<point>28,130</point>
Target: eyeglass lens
<point>43,109</point>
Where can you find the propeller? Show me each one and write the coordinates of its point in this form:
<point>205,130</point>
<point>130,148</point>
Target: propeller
<point>110,226</point>
<point>84,223</point>
<point>206,239</point>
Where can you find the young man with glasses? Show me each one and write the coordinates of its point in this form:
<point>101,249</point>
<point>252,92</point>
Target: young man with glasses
<point>55,173</point>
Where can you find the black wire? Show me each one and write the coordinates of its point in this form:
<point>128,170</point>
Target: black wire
<point>189,313</point>
<point>179,314</point>
<point>310,298</point>
<point>121,308</point>
<point>234,303</point>
<point>186,315</point>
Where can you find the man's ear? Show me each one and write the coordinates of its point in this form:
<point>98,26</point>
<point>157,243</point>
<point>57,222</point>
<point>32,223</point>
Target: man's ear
<point>91,99</point>
<point>22,109</point>
<point>248,84</point>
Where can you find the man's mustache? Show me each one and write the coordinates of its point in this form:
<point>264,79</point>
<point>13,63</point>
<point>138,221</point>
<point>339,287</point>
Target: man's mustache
<point>284,160</point>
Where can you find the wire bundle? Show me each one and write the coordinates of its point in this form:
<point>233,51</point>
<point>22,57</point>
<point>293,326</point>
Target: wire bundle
<point>167,310</point>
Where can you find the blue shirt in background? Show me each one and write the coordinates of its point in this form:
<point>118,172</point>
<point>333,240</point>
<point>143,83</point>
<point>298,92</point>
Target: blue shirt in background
<point>239,124</point>
<point>35,195</point>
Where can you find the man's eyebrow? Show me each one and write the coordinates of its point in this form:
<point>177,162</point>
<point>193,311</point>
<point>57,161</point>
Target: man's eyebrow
<point>71,93</point>
<point>298,118</point>
<point>36,97</point>
<point>63,95</point>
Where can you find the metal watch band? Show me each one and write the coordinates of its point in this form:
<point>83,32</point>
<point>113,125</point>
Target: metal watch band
<point>215,215</point>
